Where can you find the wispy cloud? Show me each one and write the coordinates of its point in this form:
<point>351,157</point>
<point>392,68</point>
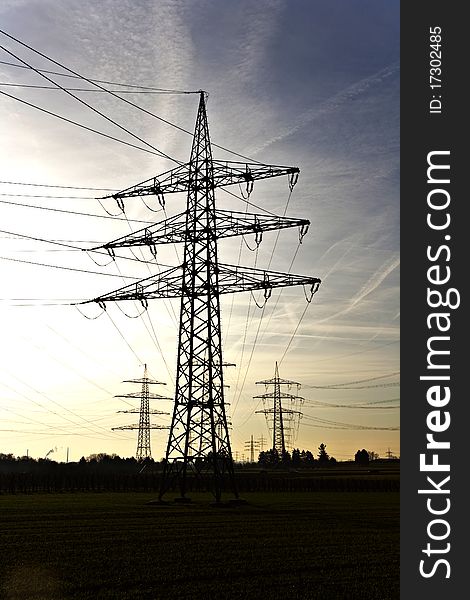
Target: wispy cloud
<point>371,284</point>
<point>375,280</point>
<point>330,105</point>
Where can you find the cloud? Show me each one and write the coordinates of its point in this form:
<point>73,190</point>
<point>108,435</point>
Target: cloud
<point>375,280</point>
<point>372,284</point>
<point>329,106</point>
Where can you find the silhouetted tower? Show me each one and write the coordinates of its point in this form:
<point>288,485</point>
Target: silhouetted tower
<point>199,437</point>
<point>144,426</point>
<point>251,445</point>
<point>284,420</point>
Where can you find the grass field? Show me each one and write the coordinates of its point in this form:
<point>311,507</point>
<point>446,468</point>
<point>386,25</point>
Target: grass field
<point>114,546</point>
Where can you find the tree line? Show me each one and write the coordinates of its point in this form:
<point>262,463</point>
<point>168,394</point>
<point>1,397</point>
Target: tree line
<point>297,458</point>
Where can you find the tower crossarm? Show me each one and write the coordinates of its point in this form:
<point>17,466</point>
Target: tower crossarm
<point>136,426</point>
<point>230,172</point>
<point>144,380</point>
<point>241,279</point>
<point>150,412</point>
<point>227,223</point>
<point>278,380</point>
<point>272,411</point>
<point>280,395</point>
<point>225,173</point>
<point>151,396</point>
<point>167,284</point>
<point>231,278</point>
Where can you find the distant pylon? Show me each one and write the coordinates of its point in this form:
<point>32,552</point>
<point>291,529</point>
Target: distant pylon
<point>144,426</point>
<point>251,445</point>
<point>283,419</point>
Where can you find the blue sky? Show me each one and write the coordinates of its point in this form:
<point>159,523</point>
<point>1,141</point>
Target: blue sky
<point>313,84</point>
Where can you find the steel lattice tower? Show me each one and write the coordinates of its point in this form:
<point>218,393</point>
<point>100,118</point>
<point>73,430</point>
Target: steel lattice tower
<point>144,426</point>
<point>252,445</point>
<point>282,418</point>
<point>199,438</point>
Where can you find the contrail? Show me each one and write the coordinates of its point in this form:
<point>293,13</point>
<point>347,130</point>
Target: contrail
<point>330,105</point>
<point>375,280</point>
<point>373,283</point>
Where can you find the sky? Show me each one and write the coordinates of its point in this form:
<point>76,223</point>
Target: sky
<point>307,83</point>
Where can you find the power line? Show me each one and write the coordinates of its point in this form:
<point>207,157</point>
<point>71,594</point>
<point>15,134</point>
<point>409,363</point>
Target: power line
<point>331,405</point>
<point>97,82</point>
<point>295,331</point>
<point>65,187</point>
<point>95,110</point>
<point>91,358</point>
<point>53,114</point>
<point>123,337</point>
<point>50,87</point>
<point>250,359</point>
<point>376,378</point>
<point>45,196</point>
<point>29,262</point>
<point>154,337</point>
<point>79,249</point>
<point>51,411</point>
<point>54,434</point>
<point>73,212</point>
<point>337,424</point>
<point>344,387</point>
<point>143,87</point>
<point>249,305</point>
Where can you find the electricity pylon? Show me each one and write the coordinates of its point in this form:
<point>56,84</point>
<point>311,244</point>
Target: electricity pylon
<point>199,437</point>
<point>144,426</point>
<point>283,419</point>
<point>251,445</point>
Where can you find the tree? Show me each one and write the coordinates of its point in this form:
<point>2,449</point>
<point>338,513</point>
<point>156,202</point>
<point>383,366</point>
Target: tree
<point>362,457</point>
<point>273,457</point>
<point>263,458</point>
<point>286,458</point>
<point>323,457</point>
<point>308,458</point>
<point>295,457</point>
<point>372,455</point>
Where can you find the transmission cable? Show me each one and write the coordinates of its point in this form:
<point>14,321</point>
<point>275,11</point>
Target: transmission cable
<point>65,187</point>
<point>295,332</point>
<point>73,212</point>
<point>29,262</point>
<point>362,387</point>
<point>376,378</point>
<point>48,112</point>
<point>96,83</point>
<point>331,405</point>
<point>47,196</point>
<point>154,337</point>
<point>48,426</point>
<point>95,110</point>
<point>143,87</point>
<point>78,249</point>
<point>91,358</point>
<point>58,404</point>
<point>50,87</point>
<point>326,422</point>
<point>123,337</point>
